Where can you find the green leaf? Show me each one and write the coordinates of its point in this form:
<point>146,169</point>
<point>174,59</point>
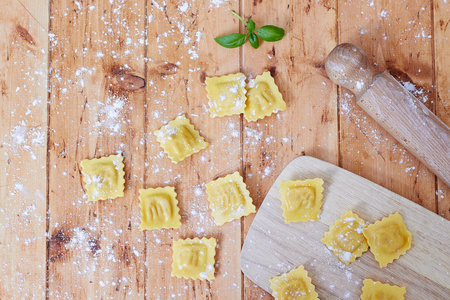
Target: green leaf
<point>232,40</point>
<point>270,33</point>
<point>251,25</point>
<point>253,39</point>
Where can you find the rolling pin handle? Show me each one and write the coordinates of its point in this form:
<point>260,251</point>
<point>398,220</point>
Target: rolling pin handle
<point>348,66</point>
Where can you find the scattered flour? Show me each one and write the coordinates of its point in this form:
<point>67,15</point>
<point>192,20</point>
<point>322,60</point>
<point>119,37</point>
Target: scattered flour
<point>183,7</point>
<point>218,3</point>
<point>112,117</point>
<point>419,93</point>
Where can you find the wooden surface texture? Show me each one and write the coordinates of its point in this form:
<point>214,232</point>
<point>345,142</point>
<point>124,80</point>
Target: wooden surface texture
<point>411,123</point>
<point>272,247</point>
<point>84,79</point>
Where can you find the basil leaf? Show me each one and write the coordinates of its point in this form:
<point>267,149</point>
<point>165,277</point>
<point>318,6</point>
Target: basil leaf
<point>232,40</point>
<point>251,25</point>
<point>270,33</point>
<point>253,39</point>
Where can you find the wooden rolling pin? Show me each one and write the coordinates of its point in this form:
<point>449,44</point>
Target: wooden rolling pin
<point>393,107</point>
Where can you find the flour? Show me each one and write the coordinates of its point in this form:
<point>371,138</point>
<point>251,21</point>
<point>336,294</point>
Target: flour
<point>267,171</point>
<point>109,117</point>
<point>25,139</point>
<point>112,117</point>
<point>419,93</point>
<point>198,192</point>
<point>183,7</point>
<point>217,3</point>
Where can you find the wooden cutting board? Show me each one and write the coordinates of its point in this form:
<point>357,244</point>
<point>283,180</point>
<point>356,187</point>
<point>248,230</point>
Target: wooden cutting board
<point>273,247</point>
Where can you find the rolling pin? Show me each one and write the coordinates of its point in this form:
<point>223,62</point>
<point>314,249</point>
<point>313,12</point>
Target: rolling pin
<point>406,118</point>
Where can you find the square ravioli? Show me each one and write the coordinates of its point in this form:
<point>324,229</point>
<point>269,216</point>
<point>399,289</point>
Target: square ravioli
<point>373,290</point>
<point>159,208</point>
<point>229,198</point>
<point>103,177</point>
<point>194,258</point>
<point>295,284</point>
<point>226,94</point>
<point>301,200</point>
<point>263,98</point>
<point>345,237</point>
<point>388,239</point>
<point>179,139</point>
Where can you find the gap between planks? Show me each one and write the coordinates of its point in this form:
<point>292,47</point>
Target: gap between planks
<point>47,209</point>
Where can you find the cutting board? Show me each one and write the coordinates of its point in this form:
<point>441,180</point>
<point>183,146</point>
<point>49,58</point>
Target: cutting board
<point>273,247</point>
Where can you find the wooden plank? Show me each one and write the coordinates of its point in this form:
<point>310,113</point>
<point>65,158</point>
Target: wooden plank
<point>442,74</point>
<point>309,124</point>
<point>395,36</point>
<point>96,248</point>
<point>273,247</point>
<point>23,148</point>
<point>181,53</point>
<point>88,255</point>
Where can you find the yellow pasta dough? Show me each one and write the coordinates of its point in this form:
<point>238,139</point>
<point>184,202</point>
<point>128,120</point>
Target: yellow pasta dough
<point>229,198</point>
<point>294,285</point>
<point>263,98</point>
<point>375,290</point>
<point>159,208</point>
<point>301,200</point>
<point>345,238</point>
<point>194,258</point>
<point>179,139</point>
<point>103,177</point>
<point>388,238</point>
<point>226,94</point>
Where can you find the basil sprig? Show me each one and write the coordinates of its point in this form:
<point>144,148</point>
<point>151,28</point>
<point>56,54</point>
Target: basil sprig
<point>268,33</point>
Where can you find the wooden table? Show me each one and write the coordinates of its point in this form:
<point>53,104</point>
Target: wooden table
<point>62,100</point>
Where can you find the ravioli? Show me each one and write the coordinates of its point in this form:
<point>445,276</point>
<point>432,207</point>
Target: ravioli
<point>345,238</point>
<point>103,177</point>
<point>226,94</point>
<point>229,198</point>
<point>194,258</point>
<point>294,285</point>
<point>301,200</point>
<point>179,139</point>
<point>159,208</point>
<point>388,239</point>
<point>375,290</point>
<point>263,98</point>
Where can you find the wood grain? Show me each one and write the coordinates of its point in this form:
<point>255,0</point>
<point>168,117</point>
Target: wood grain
<point>180,60</point>
<point>389,103</point>
<point>442,82</point>
<point>23,148</point>
<point>273,247</point>
<point>411,123</point>
<point>122,68</point>
<point>396,37</point>
<point>297,64</point>
<point>95,248</point>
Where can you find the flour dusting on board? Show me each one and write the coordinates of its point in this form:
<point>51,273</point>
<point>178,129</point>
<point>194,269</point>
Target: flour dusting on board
<point>420,92</point>
<point>218,3</point>
<point>25,139</point>
<point>113,116</point>
<point>98,246</point>
<point>374,136</point>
